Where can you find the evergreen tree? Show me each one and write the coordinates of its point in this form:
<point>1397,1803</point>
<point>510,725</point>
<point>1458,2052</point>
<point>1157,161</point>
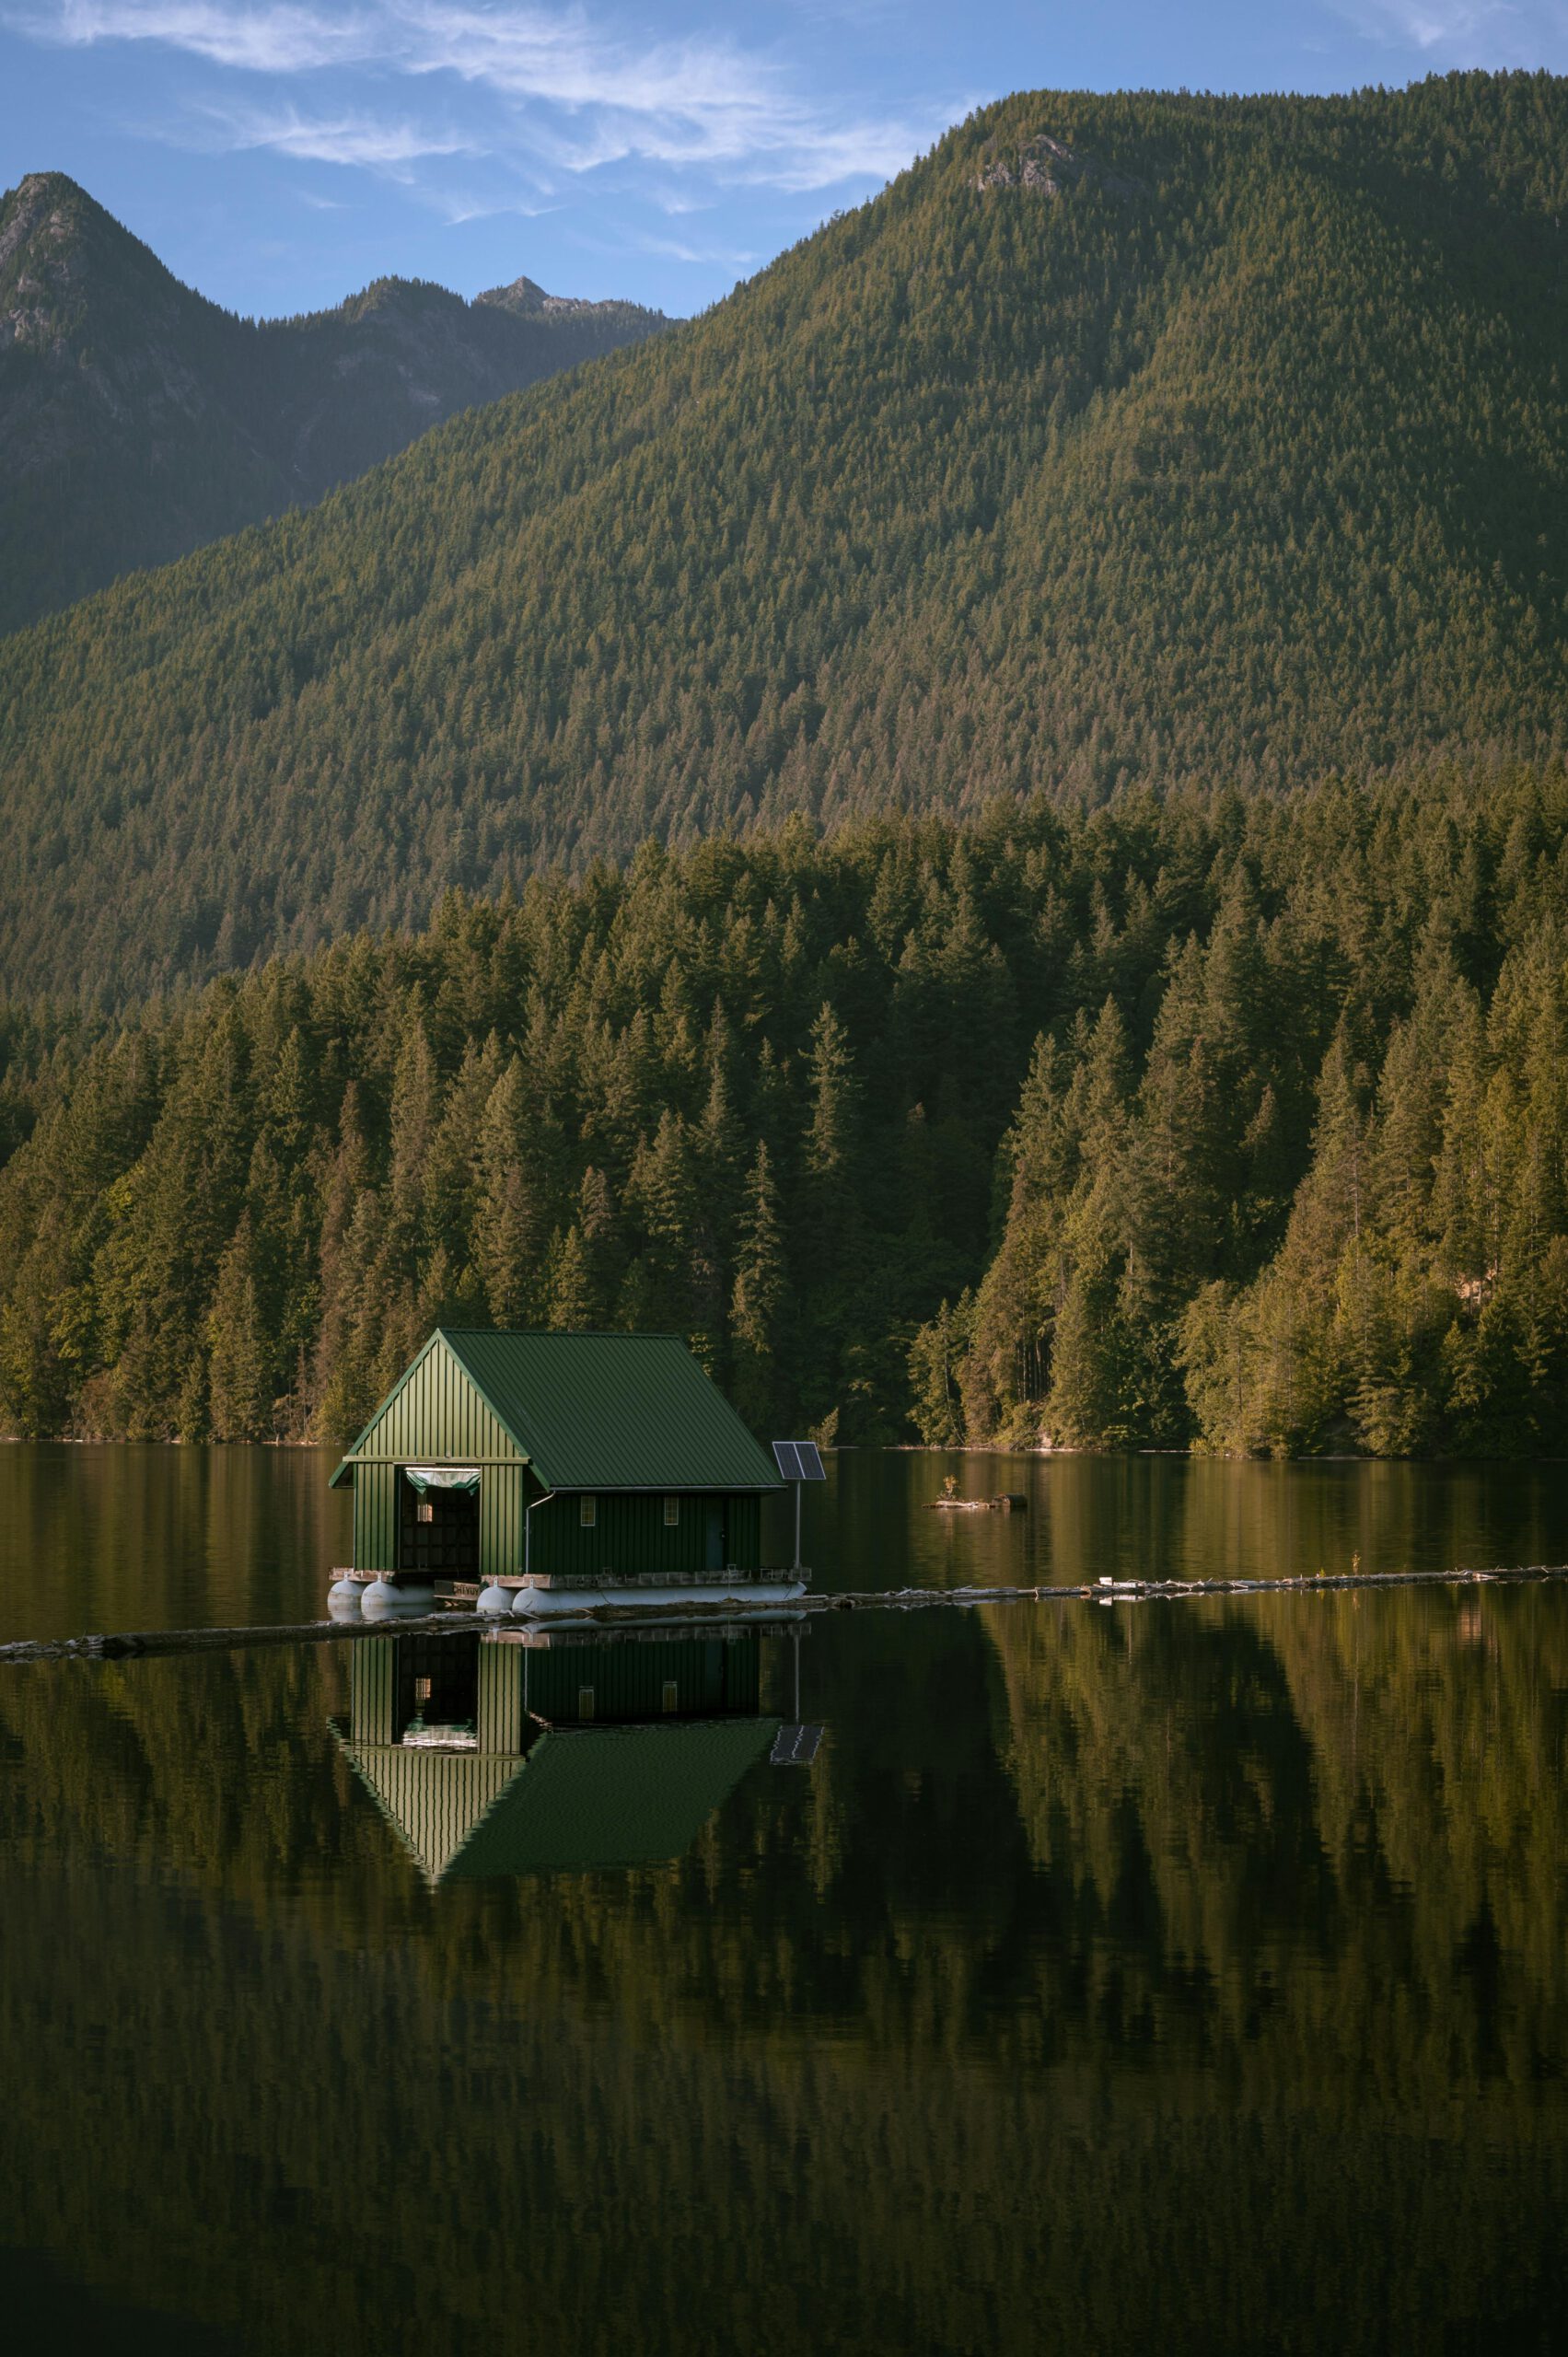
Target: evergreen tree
<point>511,1227</point>
<point>757,1304</point>
<point>239,1347</point>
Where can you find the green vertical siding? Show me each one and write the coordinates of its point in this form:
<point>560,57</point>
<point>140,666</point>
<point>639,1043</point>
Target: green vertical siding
<point>373,1685</point>
<point>376,1517</point>
<point>503,1496</point>
<point>434,1798</point>
<point>746,1533</point>
<point>628,1681</point>
<point>632,1536</point>
<point>437,1414</point>
<point>501,1676</point>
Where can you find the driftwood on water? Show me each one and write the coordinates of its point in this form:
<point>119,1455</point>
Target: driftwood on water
<point>1004,1502</point>
<point>901,1600</point>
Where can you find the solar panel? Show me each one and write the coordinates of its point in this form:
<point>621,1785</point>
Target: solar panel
<point>799,1461</point>
<point>795,1746</point>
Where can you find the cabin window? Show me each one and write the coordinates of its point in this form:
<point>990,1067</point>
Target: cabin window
<point>671,1512</point>
<point>587,1512</point>
<point>425,1510</point>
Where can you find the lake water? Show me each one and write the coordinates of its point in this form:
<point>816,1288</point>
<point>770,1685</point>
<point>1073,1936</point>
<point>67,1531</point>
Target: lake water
<point>1188,1977</point>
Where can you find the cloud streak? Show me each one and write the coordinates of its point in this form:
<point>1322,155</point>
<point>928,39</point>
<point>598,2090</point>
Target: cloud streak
<point>256,41</point>
<point>580,98</point>
<point>1464,33</point>
<point>367,140</point>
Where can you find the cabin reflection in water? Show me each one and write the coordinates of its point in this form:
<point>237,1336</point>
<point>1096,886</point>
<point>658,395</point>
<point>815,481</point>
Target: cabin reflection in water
<point>524,1751</point>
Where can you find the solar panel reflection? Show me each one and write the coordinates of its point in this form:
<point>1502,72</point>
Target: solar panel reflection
<point>795,1746</point>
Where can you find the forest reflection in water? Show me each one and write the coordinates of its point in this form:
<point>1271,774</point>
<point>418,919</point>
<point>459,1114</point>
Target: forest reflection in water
<point>1188,1973</point>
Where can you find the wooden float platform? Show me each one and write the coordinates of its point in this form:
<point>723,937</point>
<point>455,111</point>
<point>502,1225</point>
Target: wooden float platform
<point>1102,1591</point>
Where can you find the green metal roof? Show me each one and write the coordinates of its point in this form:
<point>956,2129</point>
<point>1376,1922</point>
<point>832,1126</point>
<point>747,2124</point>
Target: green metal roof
<point>584,1800</point>
<point>592,1412</point>
<point>590,1798</point>
<point>612,1412</point>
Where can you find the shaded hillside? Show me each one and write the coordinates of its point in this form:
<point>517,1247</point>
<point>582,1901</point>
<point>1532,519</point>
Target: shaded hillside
<point>1234,448</point>
<point>138,421</point>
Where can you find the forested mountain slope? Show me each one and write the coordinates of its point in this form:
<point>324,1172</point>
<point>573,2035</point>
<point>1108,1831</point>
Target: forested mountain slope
<point>1241,1120</point>
<point>1230,445</point>
<point>138,421</point>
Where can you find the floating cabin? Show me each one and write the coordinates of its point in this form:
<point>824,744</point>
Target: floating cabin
<point>555,1462</point>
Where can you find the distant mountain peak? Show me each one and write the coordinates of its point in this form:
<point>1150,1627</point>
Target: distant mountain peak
<point>60,254</point>
<point>138,420</point>
<point>527,299</point>
<point>523,295</point>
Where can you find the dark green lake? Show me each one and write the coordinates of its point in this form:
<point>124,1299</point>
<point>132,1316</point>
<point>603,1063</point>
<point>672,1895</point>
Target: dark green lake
<point>1187,1977</point>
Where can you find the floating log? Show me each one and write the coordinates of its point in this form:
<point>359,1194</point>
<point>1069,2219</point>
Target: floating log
<point>1107,1590</point>
<point>1004,1501</point>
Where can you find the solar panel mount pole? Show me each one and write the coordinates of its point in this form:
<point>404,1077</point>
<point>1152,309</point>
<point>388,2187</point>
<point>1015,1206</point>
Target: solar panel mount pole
<point>797,1490</point>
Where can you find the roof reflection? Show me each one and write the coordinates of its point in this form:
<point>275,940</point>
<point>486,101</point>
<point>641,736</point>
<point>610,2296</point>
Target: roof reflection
<point>518,1752</point>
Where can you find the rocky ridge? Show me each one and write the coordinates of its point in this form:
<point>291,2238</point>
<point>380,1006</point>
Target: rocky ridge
<point>1048,166</point>
<point>139,421</point>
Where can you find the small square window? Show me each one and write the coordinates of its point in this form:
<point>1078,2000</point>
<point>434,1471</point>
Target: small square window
<point>671,1512</point>
<point>587,1512</point>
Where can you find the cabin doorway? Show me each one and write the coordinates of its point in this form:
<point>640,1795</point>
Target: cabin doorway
<point>714,1559</point>
<point>437,1532</point>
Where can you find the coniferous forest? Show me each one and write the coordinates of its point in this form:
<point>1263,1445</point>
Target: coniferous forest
<point>980,831</point>
<point>1231,450</point>
<point>1232,1121</point>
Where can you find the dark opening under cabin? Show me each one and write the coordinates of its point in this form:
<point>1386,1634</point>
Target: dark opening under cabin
<point>551,1460</point>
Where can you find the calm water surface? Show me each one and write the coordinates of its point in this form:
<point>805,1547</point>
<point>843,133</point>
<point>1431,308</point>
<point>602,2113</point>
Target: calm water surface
<point>99,1539</point>
<point>1168,1977</point>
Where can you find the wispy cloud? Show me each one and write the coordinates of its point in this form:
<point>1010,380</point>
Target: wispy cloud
<point>367,141</point>
<point>578,95</point>
<point>1455,32</point>
<point>255,41</point>
<point>457,205</point>
<point>673,250</point>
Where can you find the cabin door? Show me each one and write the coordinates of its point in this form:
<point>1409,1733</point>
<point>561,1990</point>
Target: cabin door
<point>714,1557</point>
<point>438,1534</point>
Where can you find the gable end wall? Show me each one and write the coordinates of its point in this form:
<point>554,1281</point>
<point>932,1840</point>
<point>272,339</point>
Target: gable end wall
<point>437,1414</point>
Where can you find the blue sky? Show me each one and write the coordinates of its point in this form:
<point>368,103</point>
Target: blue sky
<point>278,154</point>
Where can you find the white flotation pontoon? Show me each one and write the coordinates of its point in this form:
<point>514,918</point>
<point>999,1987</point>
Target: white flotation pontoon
<point>541,1603</point>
